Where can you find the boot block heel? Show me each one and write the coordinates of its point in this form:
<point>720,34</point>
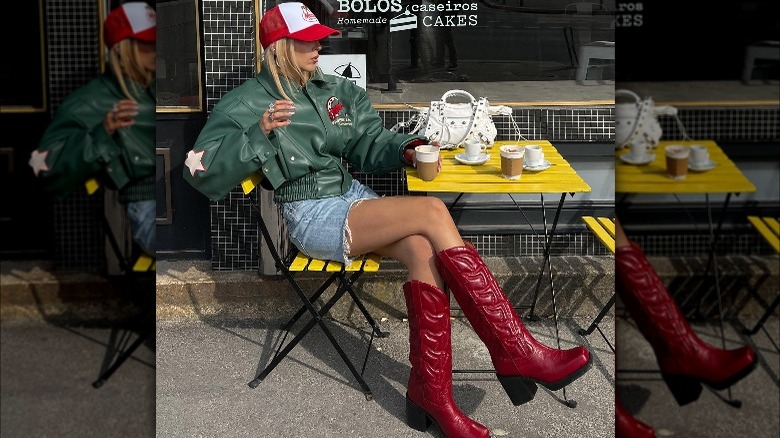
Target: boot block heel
<point>520,390</point>
<point>684,389</point>
<point>416,417</point>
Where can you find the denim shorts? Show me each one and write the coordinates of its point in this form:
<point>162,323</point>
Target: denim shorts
<point>319,228</point>
<point>142,217</point>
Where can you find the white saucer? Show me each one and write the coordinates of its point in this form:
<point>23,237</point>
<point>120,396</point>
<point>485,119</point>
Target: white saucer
<point>627,158</point>
<point>701,167</point>
<point>545,165</point>
<point>483,158</point>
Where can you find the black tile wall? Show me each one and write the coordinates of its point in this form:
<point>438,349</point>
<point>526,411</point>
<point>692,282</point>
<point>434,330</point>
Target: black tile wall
<point>72,43</point>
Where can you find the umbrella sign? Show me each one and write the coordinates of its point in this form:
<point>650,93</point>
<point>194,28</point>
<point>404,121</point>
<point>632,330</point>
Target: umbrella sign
<point>350,67</point>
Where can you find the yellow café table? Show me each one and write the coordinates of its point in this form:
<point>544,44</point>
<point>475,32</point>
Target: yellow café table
<point>559,178</point>
<point>724,178</point>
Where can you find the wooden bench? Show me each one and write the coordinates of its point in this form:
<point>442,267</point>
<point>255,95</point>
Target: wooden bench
<point>769,229</point>
<point>604,230</point>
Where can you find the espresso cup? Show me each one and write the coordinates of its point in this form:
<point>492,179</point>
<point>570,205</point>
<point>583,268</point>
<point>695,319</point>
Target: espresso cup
<point>512,161</point>
<point>473,149</point>
<point>700,156</point>
<point>637,151</point>
<point>677,161</point>
<point>427,158</point>
<point>533,155</point>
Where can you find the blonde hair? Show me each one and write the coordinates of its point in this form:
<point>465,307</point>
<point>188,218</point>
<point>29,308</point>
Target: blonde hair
<point>124,62</point>
<point>279,59</point>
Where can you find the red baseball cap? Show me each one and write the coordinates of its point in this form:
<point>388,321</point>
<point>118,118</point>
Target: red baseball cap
<point>294,20</point>
<point>135,20</point>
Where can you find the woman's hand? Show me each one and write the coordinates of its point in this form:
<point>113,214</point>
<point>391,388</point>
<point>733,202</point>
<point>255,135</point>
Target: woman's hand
<point>438,144</point>
<point>121,115</point>
<point>411,154</point>
<point>277,115</point>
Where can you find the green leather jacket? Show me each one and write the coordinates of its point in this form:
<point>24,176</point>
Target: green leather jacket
<point>76,146</point>
<point>333,119</point>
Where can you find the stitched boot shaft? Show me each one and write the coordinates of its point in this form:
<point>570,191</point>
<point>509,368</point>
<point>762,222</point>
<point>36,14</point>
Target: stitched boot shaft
<point>513,349</point>
<point>626,426</point>
<point>679,351</point>
<point>430,353</point>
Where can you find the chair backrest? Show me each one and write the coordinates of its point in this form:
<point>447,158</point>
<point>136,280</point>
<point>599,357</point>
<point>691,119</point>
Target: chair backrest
<point>769,228</point>
<point>604,230</point>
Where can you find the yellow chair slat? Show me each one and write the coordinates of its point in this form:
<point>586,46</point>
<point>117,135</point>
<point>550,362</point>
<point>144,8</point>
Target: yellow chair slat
<point>773,225</point>
<point>300,262</point>
<point>602,234</point>
<point>250,183</point>
<point>766,231</point>
<point>372,262</point>
<point>91,185</point>
<point>144,263</point>
<point>608,224</point>
<point>316,265</point>
<point>334,266</point>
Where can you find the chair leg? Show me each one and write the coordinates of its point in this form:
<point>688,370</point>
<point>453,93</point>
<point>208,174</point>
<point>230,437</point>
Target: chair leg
<point>313,298</point>
<point>359,303</point>
<point>764,318</point>
<point>316,320</point>
<point>121,359</point>
<point>601,315</point>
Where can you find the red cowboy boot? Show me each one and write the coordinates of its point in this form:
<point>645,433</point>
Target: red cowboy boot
<point>429,393</point>
<point>685,360</point>
<point>520,360</point>
<point>626,426</point>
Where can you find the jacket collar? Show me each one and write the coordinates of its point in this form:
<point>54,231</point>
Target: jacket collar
<point>264,78</point>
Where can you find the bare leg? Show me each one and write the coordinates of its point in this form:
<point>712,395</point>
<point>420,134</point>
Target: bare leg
<point>377,223</point>
<point>417,254</point>
<point>410,229</point>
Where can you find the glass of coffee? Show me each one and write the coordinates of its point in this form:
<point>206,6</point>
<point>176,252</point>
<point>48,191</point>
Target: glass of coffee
<point>677,161</point>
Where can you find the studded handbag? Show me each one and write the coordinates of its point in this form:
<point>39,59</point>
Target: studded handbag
<point>451,123</point>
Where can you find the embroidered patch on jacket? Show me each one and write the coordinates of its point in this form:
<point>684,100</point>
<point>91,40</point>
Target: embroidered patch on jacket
<point>334,112</point>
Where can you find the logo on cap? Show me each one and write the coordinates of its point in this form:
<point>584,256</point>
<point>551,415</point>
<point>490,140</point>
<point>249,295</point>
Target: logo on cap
<point>308,15</point>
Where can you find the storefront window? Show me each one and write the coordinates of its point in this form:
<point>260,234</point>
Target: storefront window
<point>467,40</point>
<point>178,62</point>
<point>23,78</point>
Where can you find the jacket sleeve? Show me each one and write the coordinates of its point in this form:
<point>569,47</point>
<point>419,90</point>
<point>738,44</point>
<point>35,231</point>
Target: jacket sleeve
<point>228,151</point>
<point>75,147</point>
<point>374,148</point>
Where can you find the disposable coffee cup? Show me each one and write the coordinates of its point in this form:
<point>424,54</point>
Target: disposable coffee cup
<point>427,157</point>
<point>473,149</point>
<point>677,161</point>
<point>534,156</point>
<point>512,161</point>
<point>700,156</point>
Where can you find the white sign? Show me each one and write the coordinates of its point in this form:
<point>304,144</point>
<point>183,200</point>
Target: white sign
<point>405,21</point>
<point>352,67</point>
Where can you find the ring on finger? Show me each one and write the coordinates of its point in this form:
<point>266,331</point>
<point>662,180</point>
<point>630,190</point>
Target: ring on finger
<point>270,116</point>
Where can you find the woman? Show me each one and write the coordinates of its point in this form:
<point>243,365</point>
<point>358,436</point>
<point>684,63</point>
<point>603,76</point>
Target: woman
<point>293,125</point>
<point>105,129</point>
<point>686,362</point>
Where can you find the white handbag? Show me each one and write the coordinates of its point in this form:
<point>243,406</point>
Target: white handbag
<point>452,123</point>
<point>636,121</point>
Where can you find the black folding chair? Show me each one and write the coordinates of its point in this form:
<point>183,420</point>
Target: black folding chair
<point>769,228</point>
<point>139,269</point>
<point>344,277</point>
<point>604,230</point>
